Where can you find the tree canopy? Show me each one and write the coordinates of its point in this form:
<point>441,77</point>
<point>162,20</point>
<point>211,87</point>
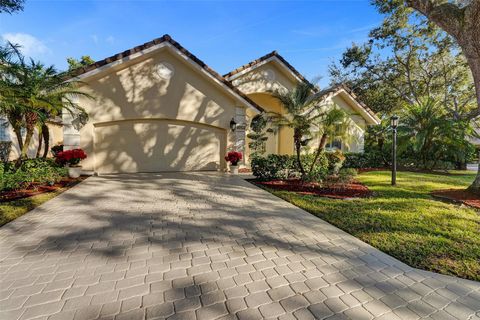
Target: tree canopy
<point>11,6</point>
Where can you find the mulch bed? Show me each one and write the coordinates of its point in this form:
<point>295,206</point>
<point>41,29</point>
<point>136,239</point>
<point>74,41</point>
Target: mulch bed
<point>345,191</point>
<point>458,196</point>
<point>37,189</point>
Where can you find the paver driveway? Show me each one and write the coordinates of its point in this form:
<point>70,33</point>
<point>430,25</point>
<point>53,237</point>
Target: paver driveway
<point>204,246</point>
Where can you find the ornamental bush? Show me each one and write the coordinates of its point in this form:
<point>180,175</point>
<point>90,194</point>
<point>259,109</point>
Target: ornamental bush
<point>370,159</point>
<point>5,147</point>
<point>71,157</point>
<point>335,161</point>
<point>233,157</point>
<point>31,171</point>
<point>276,166</point>
<point>320,168</point>
<point>273,166</point>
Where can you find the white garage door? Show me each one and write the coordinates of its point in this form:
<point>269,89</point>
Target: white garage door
<point>157,145</point>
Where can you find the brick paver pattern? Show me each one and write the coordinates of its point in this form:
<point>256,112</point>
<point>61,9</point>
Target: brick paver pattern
<point>204,246</point>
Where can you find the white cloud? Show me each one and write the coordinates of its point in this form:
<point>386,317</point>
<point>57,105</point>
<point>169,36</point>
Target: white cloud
<point>30,46</point>
<point>94,38</point>
<point>110,39</point>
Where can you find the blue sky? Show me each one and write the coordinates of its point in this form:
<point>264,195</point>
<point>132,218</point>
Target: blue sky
<point>224,34</point>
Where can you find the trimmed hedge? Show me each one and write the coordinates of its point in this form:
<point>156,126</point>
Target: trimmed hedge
<point>276,166</point>
<point>365,160</point>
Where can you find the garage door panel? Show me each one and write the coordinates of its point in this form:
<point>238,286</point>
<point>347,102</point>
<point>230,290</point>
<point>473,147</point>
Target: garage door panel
<point>152,146</point>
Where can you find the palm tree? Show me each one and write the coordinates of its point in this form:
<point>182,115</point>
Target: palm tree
<point>36,94</point>
<point>299,104</point>
<point>332,123</point>
<point>308,120</point>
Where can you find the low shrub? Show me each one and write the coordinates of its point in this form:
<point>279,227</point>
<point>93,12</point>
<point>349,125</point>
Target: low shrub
<point>5,148</point>
<point>276,166</point>
<point>335,161</point>
<point>31,171</point>
<point>340,180</point>
<point>347,175</point>
<point>365,160</point>
<point>273,166</point>
<point>320,169</point>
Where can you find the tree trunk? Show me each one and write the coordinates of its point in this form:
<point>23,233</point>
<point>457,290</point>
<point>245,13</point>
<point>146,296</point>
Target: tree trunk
<point>321,147</point>
<point>297,137</point>
<point>18,135</point>
<point>475,186</point>
<point>39,149</point>
<point>28,140</point>
<point>46,139</point>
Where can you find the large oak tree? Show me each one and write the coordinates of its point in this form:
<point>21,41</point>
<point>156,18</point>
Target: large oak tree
<point>461,20</point>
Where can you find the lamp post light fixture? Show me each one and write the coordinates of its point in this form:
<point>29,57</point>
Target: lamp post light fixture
<point>394,125</point>
<point>233,125</point>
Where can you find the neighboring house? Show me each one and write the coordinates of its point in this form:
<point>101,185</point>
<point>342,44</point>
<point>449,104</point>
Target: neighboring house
<point>157,107</point>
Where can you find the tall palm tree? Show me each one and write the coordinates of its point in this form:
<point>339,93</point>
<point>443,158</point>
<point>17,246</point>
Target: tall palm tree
<point>36,93</point>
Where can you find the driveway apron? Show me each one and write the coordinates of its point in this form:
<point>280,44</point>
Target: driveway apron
<point>204,246</point>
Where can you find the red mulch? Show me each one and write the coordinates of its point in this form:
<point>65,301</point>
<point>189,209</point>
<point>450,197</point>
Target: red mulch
<point>36,189</point>
<point>350,190</point>
<point>459,196</point>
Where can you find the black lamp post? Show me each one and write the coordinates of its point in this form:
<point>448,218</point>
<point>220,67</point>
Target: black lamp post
<point>394,125</point>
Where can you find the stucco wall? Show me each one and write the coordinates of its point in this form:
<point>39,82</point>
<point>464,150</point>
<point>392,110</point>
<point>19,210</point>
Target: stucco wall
<point>136,92</point>
<point>265,78</point>
<point>356,130</point>
<point>56,137</point>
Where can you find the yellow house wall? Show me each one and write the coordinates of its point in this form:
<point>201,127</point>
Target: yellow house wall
<point>258,81</point>
<point>135,92</point>
<point>259,84</point>
<point>56,137</point>
<point>356,131</point>
<point>282,141</point>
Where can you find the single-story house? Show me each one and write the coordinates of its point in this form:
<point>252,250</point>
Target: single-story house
<point>157,107</point>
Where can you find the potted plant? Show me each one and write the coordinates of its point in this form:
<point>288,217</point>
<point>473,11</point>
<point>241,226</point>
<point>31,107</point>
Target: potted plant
<point>72,158</point>
<point>233,157</point>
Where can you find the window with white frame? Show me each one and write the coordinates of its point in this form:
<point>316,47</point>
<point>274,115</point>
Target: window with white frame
<point>334,144</point>
<point>4,136</point>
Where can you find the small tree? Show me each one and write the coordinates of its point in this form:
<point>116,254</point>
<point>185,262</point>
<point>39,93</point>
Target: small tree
<point>257,136</point>
<point>309,120</point>
<point>299,104</point>
<point>77,63</point>
<point>33,93</point>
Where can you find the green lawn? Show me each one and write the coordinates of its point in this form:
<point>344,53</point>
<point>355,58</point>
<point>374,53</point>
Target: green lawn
<point>13,209</point>
<point>406,222</point>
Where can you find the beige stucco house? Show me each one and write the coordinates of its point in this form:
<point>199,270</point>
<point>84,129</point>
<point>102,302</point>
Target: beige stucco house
<point>157,107</point>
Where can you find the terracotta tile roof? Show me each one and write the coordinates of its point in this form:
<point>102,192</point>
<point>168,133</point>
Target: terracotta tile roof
<point>146,45</point>
<point>300,76</point>
<point>266,57</point>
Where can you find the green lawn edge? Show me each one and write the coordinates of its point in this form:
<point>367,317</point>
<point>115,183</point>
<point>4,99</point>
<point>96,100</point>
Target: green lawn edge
<point>406,222</point>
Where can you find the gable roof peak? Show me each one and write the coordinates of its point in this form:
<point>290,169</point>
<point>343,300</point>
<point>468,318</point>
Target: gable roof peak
<point>166,38</point>
<point>257,62</point>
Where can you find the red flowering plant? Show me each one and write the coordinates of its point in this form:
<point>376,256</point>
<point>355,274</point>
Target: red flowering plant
<point>233,157</point>
<point>71,157</point>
